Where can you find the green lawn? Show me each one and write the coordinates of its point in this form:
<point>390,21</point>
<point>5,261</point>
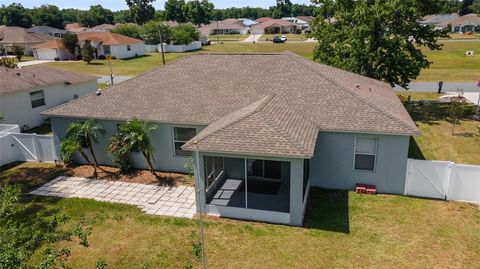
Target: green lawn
<point>436,141</point>
<point>227,38</point>
<point>450,63</point>
<point>343,230</point>
<point>290,37</point>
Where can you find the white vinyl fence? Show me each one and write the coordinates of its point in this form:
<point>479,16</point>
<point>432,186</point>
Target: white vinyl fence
<point>443,180</point>
<point>16,147</point>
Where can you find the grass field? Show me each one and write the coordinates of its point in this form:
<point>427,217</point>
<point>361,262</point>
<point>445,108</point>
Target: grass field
<point>290,37</point>
<point>227,38</point>
<point>436,141</point>
<point>451,64</point>
<point>343,230</point>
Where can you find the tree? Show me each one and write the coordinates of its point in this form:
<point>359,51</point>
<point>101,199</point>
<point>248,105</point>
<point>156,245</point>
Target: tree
<point>15,15</point>
<point>184,34</point>
<point>119,148</point>
<point>136,133</point>
<point>141,10</point>
<point>81,134</point>
<point>465,8</point>
<point>88,51</point>
<point>175,11</point>
<point>122,16</point>
<point>475,7</point>
<point>455,112</point>
<point>150,32</point>
<point>18,51</point>
<point>96,15</point>
<point>70,42</point>
<point>130,30</point>
<point>71,15</point>
<point>48,15</point>
<point>283,9</point>
<point>380,39</point>
<point>199,12</point>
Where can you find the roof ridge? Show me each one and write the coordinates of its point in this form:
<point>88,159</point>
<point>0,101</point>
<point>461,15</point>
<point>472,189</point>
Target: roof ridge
<point>387,113</point>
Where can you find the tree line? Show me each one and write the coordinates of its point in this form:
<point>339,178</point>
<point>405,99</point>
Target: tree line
<point>141,11</point>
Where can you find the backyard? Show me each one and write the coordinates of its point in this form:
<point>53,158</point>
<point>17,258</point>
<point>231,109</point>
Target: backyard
<point>343,229</point>
<point>436,141</point>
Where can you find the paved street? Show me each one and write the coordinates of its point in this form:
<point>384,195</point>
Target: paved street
<point>116,79</point>
<point>447,86</point>
<point>152,199</point>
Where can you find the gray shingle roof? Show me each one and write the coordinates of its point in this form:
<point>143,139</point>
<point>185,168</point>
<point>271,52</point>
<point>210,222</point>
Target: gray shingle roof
<point>219,89</point>
<point>25,78</point>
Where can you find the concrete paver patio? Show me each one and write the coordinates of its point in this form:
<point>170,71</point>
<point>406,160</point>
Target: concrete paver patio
<point>152,199</point>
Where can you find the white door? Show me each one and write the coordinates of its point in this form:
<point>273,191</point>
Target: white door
<point>46,54</point>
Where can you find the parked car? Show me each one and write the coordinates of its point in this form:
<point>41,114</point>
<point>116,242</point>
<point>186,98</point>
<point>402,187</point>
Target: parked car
<point>284,38</point>
<point>278,39</point>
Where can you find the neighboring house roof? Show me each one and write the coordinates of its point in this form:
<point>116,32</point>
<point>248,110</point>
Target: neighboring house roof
<point>263,19</point>
<point>438,19</point>
<point>305,18</point>
<point>103,27</point>
<point>107,38</point>
<point>19,35</point>
<point>29,77</point>
<point>248,22</point>
<point>45,29</point>
<point>273,23</point>
<point>69,26</point>
<point>225,24</point>
<point>469,19</point>
<point>52,44</point>
<point>258,92</point>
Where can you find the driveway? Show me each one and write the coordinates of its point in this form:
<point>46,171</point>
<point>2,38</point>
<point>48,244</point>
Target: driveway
<point>252,38</point>
<point>116,79</point>
<point>424,86</point>
<point>33,62</point>
<point>152,199</point>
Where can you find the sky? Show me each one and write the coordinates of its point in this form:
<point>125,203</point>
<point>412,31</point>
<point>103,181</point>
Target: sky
<point>120,4</point>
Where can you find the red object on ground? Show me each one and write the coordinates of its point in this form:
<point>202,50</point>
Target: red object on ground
<point>364,188</point>
<point>371,189</point>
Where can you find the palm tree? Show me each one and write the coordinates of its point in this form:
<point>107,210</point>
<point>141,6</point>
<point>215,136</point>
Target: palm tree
<point>88,133</point>
<point>68,147</point>
<point>135,132</point>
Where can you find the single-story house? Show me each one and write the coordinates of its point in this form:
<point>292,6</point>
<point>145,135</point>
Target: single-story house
<point>248,22</point>
<point>26,92</point>
<point>274,26</point>
<point>301,23</point>
<point>227,26</point>
<point>47,30</point>
<point>106,27</point>
<point>438,20</point>
<point>463,24</point>
<point>51,50</point>
<point>10,35</point>
<point>258,144</point>
<point>119,46</point>
<point>75,27</point>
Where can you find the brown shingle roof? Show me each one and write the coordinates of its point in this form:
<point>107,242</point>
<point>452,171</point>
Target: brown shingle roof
<point>29,77</point>
<point>225,24</point>
<point>19,35</point>
<point>52,44</point>
<point>107,38</point>
<point>207,88</point>
<point>273,22</point>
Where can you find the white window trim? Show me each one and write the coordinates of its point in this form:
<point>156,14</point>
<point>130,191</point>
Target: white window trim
<point>355,154</point>
<point>43,97</point>
<point>174,141</point>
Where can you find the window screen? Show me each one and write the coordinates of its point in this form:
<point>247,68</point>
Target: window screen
<point>37,99</point>
<point>365,153</point>
<point>180,137</point>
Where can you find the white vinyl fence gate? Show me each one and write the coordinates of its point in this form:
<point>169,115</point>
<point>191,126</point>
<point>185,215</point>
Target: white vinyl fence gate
<point>15,146</point>
<point>443,180</point>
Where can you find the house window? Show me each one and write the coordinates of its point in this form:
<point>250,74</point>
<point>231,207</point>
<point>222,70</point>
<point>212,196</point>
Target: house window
<point>37,98</point>
<point>365,154</point>
<point>213,169</point>
<point>129,48</point>
<point>106,50</point>
<point>264,169</point>
<point>180,137</point>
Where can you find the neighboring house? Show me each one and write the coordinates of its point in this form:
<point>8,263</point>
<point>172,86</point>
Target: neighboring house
<point>119,46</point>
<point>439,21</point>
<point>102,28</point>
<point>227,26</point>
<point>248,22</point>
<point>274,26</point>
<point>47,30</point>
<point>75,28</point>
<point>51,50</point>
<point>10,35</point>
<point>26,92</point>
<point>268,126</point>
<point>463,24</point>
<point>301,23</point>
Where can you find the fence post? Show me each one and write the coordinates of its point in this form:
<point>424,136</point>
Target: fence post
<point>35,147</point>
<point>407,176</point>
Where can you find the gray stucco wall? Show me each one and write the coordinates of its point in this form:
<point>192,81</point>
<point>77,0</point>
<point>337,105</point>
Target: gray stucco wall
<point>332,165</point>
<point>161,138</point>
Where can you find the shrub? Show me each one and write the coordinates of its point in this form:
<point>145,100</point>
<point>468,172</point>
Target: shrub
<point>102,57</point>
<point>8,62</point>
<point>130,30</point>
<point>119,149</point>
<point>56,59</point>
<point>79,57</point>
<point>18,51</point>
<point>113,57</point>
<point>88,51</point>
<point>184,34</point>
